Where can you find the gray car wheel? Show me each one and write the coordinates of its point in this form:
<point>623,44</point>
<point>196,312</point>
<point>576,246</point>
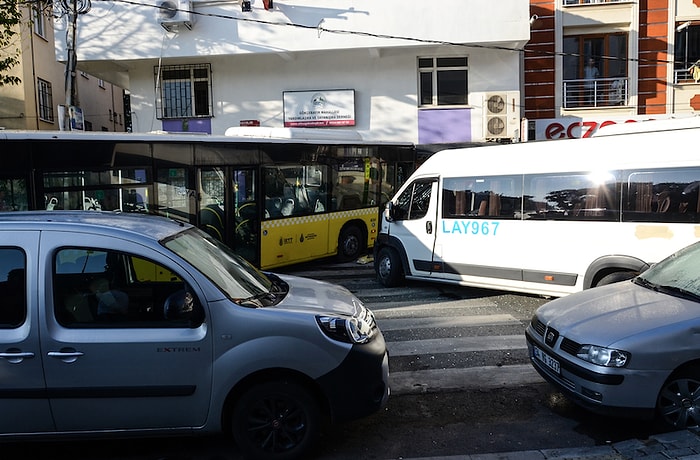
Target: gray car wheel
<point>276,421</point>
<point>678,405</point>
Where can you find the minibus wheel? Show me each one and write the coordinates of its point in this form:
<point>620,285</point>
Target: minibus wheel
<point>277,420</point>
<point>616,277</point>
<point>388,267</point>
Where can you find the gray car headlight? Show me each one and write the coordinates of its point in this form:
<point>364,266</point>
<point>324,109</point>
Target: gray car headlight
<point>608,357</point>
<point>348,329</point>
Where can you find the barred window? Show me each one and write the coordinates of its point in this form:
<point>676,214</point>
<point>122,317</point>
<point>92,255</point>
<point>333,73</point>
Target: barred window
<point>184,91</point>
<point>45,100</point>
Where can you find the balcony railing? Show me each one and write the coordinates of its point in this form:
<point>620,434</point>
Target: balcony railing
<point>683,76</point>
<point>601,92</point>
<point>587,2</point>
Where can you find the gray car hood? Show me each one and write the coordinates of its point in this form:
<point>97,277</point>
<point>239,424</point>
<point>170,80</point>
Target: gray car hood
<point>318,297</point>
<point>608,314</point>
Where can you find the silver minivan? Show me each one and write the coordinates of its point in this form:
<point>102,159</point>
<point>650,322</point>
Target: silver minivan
<point>121,323</point>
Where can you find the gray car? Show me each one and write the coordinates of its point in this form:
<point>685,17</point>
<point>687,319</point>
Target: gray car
<point>131,324</point>
<point>630,348</point>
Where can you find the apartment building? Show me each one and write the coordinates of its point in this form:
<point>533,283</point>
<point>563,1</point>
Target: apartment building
<point>406,70</point>
<point>595,62</point>
<point>34,103</point>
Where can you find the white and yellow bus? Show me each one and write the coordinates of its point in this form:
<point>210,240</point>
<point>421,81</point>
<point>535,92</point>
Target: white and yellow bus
<point>277,196</point>
<point>547,218</point>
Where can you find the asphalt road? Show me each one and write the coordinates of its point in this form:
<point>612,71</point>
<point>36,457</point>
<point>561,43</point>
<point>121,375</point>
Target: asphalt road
<point>461,385</point>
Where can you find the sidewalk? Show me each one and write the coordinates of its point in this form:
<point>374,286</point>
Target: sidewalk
<point>677,445</point>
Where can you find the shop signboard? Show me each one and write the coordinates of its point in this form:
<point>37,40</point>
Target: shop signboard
<point>319,108</point>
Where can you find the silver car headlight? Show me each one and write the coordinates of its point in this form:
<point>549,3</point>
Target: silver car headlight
<point>355,329</point>
<point>608,357</point>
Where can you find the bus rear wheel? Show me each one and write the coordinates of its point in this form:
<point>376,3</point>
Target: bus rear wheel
<point>350,244</point>
<point>388,267</point>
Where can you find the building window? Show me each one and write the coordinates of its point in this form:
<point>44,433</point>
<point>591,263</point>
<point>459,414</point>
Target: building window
<point>687,53</point>
<point>38,19</point>
<point>442,81</point>
<point>45,100</point>
<point>595,71</point>
<point>184,91</point>
<point>101,83</point>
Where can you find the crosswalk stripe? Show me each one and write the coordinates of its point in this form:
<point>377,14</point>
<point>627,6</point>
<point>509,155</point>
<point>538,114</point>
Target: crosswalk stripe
<point>456,345</point>
<point>445,321</point>
<point>402,307</point>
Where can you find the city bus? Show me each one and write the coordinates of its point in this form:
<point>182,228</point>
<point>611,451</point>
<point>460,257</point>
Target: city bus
<point>278,197</point>
<point>547,218</point>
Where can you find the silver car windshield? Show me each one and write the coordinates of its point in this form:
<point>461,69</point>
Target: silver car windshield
<point>677,274</point>
<point>237,278</point>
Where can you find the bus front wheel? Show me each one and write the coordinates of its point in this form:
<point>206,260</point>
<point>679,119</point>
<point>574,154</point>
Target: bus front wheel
<point>350,244</point>
<point>388,267</point>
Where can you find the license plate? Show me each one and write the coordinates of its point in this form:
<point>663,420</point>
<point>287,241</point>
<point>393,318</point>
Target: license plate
<point>548,361</point>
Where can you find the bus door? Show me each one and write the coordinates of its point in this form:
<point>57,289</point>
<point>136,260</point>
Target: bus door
<point>228,210</point>
<point>246,220</point>
<point>414,221</point>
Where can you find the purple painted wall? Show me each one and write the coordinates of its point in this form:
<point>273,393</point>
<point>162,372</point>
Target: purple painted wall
<point>436,126</point>
<point>196,125</point>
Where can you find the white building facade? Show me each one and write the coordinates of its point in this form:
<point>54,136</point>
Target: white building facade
<point>404,70</point>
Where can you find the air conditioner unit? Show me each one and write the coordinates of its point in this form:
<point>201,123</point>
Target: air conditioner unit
<point>502,115</point>
<point>175,14</point>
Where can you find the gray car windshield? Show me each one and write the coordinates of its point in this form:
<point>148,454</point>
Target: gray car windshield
<point>676,275</point>
<point>237,278</point>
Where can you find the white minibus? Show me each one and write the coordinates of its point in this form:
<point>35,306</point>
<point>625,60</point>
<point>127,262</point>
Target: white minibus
<point>547,218</point>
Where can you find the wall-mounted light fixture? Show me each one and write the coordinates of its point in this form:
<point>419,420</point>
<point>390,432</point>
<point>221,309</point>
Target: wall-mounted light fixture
<point>245,6</point>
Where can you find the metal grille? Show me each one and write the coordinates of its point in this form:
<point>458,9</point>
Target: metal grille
<point>184,91</point>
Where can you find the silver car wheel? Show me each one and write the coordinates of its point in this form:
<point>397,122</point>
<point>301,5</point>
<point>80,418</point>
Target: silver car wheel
<point>679,402</point>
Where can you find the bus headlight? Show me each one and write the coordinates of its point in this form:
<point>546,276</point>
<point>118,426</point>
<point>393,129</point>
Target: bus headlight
<point>608,357</point>
<point>347,329</point>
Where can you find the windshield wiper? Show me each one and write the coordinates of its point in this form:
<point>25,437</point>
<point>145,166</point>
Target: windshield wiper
<point>679,292</point>
<point>257,299</point>
<point>646,283</point>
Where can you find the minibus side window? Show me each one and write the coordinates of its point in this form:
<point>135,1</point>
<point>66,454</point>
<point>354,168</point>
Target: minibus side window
<point>482,197</point>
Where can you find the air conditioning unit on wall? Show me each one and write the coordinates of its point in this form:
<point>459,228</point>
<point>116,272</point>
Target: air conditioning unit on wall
<point>502,115</point>
<point>175,14</point>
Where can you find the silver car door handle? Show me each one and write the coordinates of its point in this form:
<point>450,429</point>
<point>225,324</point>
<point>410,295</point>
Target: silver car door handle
<point>66,356</point>
<point>15,357</point>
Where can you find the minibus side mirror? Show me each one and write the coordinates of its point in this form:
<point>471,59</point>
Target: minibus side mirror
<point>389,211</point>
